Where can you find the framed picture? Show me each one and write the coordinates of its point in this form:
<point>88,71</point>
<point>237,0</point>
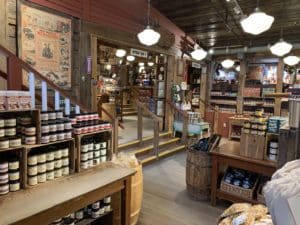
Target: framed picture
<point>45,43</point>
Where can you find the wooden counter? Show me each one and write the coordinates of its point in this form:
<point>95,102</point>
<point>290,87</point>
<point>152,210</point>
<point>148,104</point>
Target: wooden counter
<point>47,202</point>
<point>229,154</point>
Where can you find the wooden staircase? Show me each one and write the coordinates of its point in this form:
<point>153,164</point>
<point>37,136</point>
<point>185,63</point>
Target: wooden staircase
<point>145,152</point>
<point>129,110</point>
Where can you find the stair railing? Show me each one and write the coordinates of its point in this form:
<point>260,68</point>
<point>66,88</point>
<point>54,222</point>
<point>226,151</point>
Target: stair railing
<point>142,108</point>
<point>14,77</point>
<point>175,110</point>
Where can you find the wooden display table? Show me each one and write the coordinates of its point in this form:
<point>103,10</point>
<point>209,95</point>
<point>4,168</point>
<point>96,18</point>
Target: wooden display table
<point>229,154</point>
<point>47,202</point>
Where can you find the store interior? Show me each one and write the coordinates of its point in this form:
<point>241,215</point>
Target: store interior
<point>149,112</point>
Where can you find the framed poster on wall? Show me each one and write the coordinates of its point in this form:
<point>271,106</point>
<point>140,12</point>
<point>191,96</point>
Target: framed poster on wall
<point>45,43</point>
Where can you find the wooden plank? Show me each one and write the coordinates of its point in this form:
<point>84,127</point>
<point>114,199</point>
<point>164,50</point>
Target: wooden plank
<point>14,71</point>
<point>280,68</point>
<point>94,55</point>
<point>126,202</point>
<point>140,124</point>
<point>203,91</point>
<point>242,81</point>
<point>156,138</point>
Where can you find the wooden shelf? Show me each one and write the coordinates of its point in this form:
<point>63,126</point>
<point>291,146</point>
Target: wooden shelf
<point>91,133</point>
<point>223,103</point>
<point>47,144</point>
<point>232,198</point>
<point>11,149</point>
<point>19,110</point>
<point>87,221</point>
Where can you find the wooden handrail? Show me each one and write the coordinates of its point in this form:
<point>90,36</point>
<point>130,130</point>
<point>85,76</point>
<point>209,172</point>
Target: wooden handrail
<point>108,114</point>
<point>145,108</point>
<point>29,68</point>
<point>173,106</point>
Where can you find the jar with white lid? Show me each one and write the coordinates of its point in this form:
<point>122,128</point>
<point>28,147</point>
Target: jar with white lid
<point>14,186</point>
<point>15,142</point>
<point>14,175</point>
<point>32,170</point>
<point>41,158</point>
<point>50,175</point>
<point>41,177</point>
<point>10,122</point>
<point>32,180</point>
<point>41,168</point>
<point>45,139</point>
<point>2,132</point>
<point>50,165</point>
<point>4,143</point>
<point>14,164</point>
<point>58,173</point>
<point>65,171</point>
<point>52,136</point>
<point>57,163</point>
<point>50,156</point>
<point>65,152</point>
<point>58,154</point>
<point>10,131</point>
<point>32,160</point>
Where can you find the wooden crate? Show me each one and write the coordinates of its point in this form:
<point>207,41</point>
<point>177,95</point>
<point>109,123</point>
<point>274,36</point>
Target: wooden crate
<point>78,145</point>
<point>30,148</point>
<point>252,146</point>
<point>239,191</point>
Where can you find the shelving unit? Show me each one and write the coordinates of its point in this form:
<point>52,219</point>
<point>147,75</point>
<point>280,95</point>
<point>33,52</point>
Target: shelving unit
<point>100,219</point>
<point>78,138</point>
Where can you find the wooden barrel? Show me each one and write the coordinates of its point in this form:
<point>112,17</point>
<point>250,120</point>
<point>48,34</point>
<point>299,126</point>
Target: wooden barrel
<point>136,194</point>
<point>198,174</point>
<point>136,198</point>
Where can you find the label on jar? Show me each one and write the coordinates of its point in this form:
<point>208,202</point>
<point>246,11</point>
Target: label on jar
<point>4,144</point>
<point>10,131</point>
<point>14,186</point>
<point>45,139</point>
<point>57,173</point>
<point>30,131</point>
<point>15,142</point>
<point>41,168</point>
<point>14,175</point>
<point>14,165</point>
<point>2,132</point>
<point>50,166</point>
<point>45,129</point>
<point>65,171</point>
<point>30,140</point>
<point>32,160</point>
<point>58,154</point>
<point>32,170</point>
<point>50,175</point>
<point>41,158</point>
<point>42,178</point>
<point>50,156</point>
<point>58,163</point>
<point>65,152</point>
<point>10,122</point>
<point>32,180</point>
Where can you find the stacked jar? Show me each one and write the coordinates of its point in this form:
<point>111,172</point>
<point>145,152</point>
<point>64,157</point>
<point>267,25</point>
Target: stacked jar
<point>55,127</point>
<point>9,137</point>
<point>93,151</point>
<point>28,130</point>
<point>94,210</point>
<point>9,175</point>
<point>273,150</point>
<point>48,163</point>
<point>87,123</point>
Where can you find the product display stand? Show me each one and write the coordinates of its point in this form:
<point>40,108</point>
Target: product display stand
<point>229,154</point>
<point>62,197</point>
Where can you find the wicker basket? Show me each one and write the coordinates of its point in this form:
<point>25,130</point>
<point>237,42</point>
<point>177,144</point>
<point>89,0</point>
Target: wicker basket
<point>239,191</point>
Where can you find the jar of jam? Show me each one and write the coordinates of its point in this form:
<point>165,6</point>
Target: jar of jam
<point>10,122</point>
<point>44,116</point>
<point>68,134</point>
<point>59,114</point>
<point>10,131</point>
<point>77,129</point>
<point>52,126</point>
<point>45,139</point>
<point>60,125</point>
<point>52,136</point>
<point>52,115</point>
<point>30,140</point>
<point>15,142</point>
<point>45,127</point>
<point>67,125</point>
<point>24,121</point>
<point>30,130</point>
<point>60,135</point>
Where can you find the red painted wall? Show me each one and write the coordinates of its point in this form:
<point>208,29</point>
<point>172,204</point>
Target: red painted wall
<point>127,15</point>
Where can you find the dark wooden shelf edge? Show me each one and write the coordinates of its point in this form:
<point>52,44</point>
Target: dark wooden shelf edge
<point>90,220</point>
<point>18,110</point>
<point>232,198</point>
<point>11,149</point>
<point>50,143</point>
<point>91,133</point>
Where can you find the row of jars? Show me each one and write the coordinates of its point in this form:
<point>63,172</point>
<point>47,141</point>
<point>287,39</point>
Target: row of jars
<point>91,126</point>
<point>85,117</point>
<point>47,163</point>
<point>9,175</point>
<point>94,210</point>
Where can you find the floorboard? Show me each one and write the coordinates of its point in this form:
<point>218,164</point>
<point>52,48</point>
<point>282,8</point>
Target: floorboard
<point>165,199</point>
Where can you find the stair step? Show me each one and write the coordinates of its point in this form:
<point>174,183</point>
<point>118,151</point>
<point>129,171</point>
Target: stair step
<point>129,109</point>
<point>135,142</point>
<point>165,153</point>
<point>150,147</point>
<point>129,113</point>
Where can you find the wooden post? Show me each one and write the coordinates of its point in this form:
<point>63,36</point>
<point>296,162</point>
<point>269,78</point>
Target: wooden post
<point>14,74</point>
<point>156,138</point>
<point>216,120</point>
<point>140,124</point>
<point>203,90</point>
<point>94,53</point>
<point>184,129</point>
<point>242,81</point>
<point>126,202</point>
<point>169,82</point>
<point>280,68</point>
<point>115,124</point>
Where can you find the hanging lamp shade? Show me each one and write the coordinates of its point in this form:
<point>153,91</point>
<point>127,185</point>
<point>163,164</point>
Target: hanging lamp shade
<point>281,48</point>
<point>291,60</point>
<point>227,63</point>
<point>198,53</point>
<point>120,53</point>
<point>148,36</point>
<point>130,58</point>
<point>257,22</point>
<point>238,68</point>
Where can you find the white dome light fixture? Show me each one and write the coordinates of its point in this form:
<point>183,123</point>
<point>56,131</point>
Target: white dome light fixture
<point>141,64</point>
<point>130,58</point>
<point>257,22</point>
<point>150,64</point>
<point>238,68</point>
<point>281,48</point>
<point>291,60</point>
<point>120,53</point>
<point>148,36</point>
<point>227,63</point>
<point>198,53</point>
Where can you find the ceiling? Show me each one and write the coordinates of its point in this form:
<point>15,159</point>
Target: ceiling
<point>216,23</point>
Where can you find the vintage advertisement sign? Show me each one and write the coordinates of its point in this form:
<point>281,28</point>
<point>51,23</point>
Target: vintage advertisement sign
<point>45,44</point>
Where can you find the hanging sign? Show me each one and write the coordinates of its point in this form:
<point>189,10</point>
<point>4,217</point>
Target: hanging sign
<point>138,53</point>
<point>196,65</point>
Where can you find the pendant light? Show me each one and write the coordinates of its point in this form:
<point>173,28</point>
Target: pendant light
<point>227,63</point>
<point>150,64</point>
<point>281,48</point>
<point>120,53</point>
<point>198,53</point>
<point>130,58</point>
<point>257,22</point>
<point>148,36</point>
<point>291,60</point>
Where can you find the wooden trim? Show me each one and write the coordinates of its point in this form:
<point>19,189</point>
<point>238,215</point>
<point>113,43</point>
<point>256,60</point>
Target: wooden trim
<point>13,67</point>
<point>242,81</point>
<point>279,84</point>
<point>151,114</point>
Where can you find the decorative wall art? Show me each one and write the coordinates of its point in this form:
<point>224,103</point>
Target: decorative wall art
<point>45,44</point>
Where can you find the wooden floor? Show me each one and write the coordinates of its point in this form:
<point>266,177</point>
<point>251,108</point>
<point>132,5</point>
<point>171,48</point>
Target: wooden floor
<point>165,199</point>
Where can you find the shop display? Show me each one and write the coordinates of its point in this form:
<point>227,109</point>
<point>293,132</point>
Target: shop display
<point>275,123</point>
<point>9,175</point>
<point>93,151</point>
<point>15,100</point>
<point>92,211</point>
<point>47,163</point>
